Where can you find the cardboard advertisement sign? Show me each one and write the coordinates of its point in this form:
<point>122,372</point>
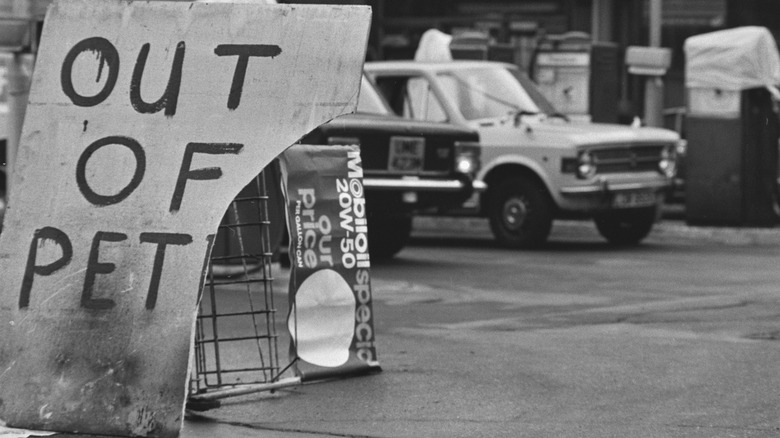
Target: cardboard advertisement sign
<point>331,319</point>
<point>144,121</point>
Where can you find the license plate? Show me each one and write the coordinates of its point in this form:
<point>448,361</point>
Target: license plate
<point>407,154</point>
<point>633,199</point>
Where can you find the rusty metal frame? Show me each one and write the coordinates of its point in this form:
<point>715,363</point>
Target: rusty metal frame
<point>245,267</point>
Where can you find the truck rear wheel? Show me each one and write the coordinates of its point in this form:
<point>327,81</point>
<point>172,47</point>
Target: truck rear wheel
<point>626,227</point>
<point>520,212</point>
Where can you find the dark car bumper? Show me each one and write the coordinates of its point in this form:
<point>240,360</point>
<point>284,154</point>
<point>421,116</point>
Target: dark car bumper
<point>422,185</point>
<point>411,194</point>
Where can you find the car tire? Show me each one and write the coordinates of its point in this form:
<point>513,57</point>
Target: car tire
<point>388,234</point>
<point>626,227</point>
<point>520,212</point>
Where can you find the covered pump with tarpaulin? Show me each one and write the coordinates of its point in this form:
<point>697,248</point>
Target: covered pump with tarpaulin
<point>732,127</point>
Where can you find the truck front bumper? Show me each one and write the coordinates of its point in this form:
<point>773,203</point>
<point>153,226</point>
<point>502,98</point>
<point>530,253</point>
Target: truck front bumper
<point>612,195</point>
<point>605,186</point>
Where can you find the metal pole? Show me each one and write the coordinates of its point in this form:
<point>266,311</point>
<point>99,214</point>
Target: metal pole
<point>655,23</point>
<point>654,85</point>
<point>246,389</point>
<point>601,20</point>
<point>18,92</point>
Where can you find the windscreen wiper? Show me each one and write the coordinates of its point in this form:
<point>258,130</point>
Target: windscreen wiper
<point>519,113</point>
<point>559,115</point>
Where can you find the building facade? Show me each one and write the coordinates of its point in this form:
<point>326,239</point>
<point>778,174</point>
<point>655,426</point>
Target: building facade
<point>521,24</point>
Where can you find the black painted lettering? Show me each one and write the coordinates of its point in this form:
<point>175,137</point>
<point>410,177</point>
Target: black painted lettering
<point>244,52</point>
<point>199,174</point>
<point>107,56</point>
<point>138,175</point>
<point>94,267</point>
<point>32,269</point>
<point>162,240</point>
<point>170,97</point>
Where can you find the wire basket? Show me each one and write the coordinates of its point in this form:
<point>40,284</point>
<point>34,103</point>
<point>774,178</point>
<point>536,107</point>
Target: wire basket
<point>236,343</point>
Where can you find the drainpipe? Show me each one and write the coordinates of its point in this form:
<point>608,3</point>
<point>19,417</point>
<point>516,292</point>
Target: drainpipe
<point>654,85</point>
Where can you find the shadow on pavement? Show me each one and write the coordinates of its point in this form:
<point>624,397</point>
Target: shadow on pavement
<point>550,246</point>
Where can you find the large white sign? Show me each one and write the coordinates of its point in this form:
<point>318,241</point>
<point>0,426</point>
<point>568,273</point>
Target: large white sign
<point>144,120</point>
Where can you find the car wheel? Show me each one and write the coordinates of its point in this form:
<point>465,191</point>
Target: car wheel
<point>626,227</point>
<point>387,234</point>
<point>520,212</point>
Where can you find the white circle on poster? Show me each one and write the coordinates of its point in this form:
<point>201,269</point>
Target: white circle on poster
<point>323,319</point>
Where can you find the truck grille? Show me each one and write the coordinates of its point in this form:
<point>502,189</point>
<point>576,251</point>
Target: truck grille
<point>437,159</point>
<point>627,159</point>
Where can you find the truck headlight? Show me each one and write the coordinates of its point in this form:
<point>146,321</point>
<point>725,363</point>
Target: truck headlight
<point>586,165</point>
<point>667,165</point>
<point>467,157</point>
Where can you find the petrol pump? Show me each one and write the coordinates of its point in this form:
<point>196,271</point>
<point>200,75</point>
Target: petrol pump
<point>732,127</point>
<point>579,76</point>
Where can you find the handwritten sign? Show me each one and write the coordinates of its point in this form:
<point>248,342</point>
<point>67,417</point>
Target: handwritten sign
<point>144,120</point>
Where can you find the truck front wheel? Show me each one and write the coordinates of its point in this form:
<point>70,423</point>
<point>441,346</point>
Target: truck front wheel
<point>520,213</point>
<point>388,234</point>
<point>626,227</point>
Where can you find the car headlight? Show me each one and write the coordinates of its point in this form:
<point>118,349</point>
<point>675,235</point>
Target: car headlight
<point>586,165</point>
<point>681,147</point>
<point>467,157</point>
<point>667,165</point>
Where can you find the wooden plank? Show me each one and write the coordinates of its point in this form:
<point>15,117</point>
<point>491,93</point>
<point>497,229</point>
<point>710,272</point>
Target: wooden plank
<point>140,129</point>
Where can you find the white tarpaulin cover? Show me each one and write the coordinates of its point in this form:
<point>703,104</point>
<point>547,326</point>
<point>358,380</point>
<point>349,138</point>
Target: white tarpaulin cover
<point>434,46</point>
<point>732,59</point>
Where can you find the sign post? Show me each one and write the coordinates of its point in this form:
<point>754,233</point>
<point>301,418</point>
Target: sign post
<point>144,120</point>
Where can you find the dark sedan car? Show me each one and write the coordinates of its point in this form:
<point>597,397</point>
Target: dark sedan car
<point>408,166</point>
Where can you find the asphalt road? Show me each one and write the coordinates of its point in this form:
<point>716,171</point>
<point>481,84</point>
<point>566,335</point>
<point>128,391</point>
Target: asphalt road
<point>675,338</point>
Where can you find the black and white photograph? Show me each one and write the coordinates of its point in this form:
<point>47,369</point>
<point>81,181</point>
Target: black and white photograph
<point>389,218</point>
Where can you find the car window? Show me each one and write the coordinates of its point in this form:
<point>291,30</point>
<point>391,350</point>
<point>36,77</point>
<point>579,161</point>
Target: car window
<point>533,91</point>
<point>421,102</point>
<point>489,92</point>
<point>411,97</point>
<point>370,100</point>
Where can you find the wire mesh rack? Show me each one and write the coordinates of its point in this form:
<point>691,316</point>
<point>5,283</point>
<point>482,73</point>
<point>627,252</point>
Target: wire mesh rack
<point>236,343</point>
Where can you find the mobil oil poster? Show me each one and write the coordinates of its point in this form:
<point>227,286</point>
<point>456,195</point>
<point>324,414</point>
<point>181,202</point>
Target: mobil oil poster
<point>331,315</point>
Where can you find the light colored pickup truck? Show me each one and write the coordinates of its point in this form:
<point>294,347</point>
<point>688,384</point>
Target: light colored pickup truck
<point>538,164</point>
